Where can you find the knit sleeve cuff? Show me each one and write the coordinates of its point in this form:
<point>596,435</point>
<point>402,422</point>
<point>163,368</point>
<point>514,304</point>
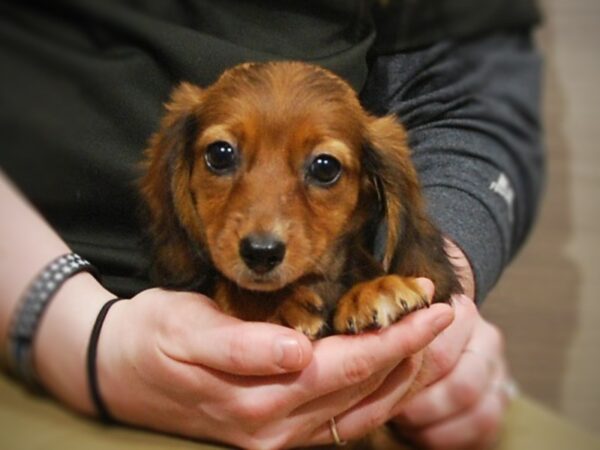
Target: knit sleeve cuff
<point>469,223</point>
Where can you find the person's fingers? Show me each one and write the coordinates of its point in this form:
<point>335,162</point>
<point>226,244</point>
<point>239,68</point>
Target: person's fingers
<point>301,423</point>
<point>345,369</point>
<point>480,362</point>
<point>342,361</point>
<point>315,414</point>
<point>198,333</point>
<point>373,410</point>
<point>461,389</point>
<point>477,427</point>
<point>468,382</point>
<point>443,353</point>
<point>252,348</point>
<point>349,364</point>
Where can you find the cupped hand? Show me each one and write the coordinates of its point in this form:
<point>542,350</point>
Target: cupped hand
<point>171,361</point>
<point>465,386</point>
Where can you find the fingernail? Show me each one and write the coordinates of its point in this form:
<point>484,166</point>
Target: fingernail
<point>427,285</point>
<point>288,353</point>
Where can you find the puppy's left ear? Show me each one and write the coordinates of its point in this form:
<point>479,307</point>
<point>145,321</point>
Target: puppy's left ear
<point>410,244</point>
<point>173,226</point>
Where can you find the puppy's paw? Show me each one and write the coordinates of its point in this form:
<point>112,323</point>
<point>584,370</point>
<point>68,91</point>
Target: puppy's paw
<point>305,312</point>
<point>378,303</point>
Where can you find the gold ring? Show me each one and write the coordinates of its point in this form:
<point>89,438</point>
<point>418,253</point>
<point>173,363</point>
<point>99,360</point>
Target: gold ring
<point>334,432</point>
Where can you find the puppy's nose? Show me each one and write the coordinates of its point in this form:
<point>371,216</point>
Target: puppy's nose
<point>262,252</point>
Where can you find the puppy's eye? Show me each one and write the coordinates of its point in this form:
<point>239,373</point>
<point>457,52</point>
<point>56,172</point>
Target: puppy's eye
<point>221,157</point>
<point>324,170</point>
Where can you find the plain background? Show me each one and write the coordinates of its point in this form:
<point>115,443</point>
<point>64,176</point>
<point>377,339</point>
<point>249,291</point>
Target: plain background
<point>548,301</point>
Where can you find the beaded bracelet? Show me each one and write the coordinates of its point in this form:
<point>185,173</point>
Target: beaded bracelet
<point>31,308</point>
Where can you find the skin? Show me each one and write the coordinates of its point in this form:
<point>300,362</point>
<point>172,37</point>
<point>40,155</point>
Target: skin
<point>156,369</point>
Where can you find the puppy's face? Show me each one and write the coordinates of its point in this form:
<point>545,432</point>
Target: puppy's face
<point>270,179</point>
<point>276,173</point>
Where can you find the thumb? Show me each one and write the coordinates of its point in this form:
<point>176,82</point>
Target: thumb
<point>216,340</point>
<point>254,348</point>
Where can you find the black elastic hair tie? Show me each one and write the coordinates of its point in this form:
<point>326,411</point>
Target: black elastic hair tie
<point>92,372</point>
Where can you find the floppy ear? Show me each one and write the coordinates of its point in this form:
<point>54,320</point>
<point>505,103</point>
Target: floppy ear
<point>175,231</point>
<point>386,160</point>
<point>410,245</point>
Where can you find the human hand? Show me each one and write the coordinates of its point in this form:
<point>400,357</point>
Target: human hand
<point>464,379</point>
<point>171,361</point>
<point>459,398</point>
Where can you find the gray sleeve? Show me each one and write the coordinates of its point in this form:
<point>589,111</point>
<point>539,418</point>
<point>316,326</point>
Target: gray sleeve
<point>472,113</point>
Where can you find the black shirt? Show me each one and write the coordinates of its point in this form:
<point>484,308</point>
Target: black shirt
<point>82,83</point>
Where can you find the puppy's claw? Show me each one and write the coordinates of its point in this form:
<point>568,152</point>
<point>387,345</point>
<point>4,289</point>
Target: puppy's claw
<point>312,333</point>
<point>375,320</point>
<point>351,326</point>
<point>404,306</point>
<point>305,312</point>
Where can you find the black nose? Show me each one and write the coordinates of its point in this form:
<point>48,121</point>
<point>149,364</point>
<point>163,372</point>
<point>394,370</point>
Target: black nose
<point>262,252</point>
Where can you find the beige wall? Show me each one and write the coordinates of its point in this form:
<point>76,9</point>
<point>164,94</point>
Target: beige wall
<point>548,302</point>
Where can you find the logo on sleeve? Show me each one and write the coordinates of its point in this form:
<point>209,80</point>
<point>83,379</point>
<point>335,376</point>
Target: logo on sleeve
<point>503,188</point>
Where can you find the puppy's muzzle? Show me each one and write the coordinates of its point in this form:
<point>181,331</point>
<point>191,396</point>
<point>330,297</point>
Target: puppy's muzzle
<point>262,252</point>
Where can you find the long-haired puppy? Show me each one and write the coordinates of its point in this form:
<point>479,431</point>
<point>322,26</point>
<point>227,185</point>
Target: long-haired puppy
<point>273,192</point>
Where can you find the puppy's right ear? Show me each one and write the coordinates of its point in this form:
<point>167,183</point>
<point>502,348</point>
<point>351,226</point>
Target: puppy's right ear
<point>413,244</point>
<point>175,231</point>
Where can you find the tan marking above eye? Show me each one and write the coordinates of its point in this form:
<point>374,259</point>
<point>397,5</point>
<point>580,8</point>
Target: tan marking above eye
<point>216,133</point>
<point>338,150</point>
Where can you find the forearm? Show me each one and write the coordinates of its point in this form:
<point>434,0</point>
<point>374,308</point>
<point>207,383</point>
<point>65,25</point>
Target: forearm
<point>27,245</point>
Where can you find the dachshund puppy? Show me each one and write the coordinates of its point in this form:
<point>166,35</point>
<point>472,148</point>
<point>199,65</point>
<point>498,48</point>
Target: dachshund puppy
<point>273,192</point>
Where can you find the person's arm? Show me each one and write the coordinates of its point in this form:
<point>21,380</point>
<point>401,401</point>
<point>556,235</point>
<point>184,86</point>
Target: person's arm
<point>27,244</point>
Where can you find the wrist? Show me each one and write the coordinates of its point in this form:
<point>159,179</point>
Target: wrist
<point>462,267</point>
<point>60,345</point>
